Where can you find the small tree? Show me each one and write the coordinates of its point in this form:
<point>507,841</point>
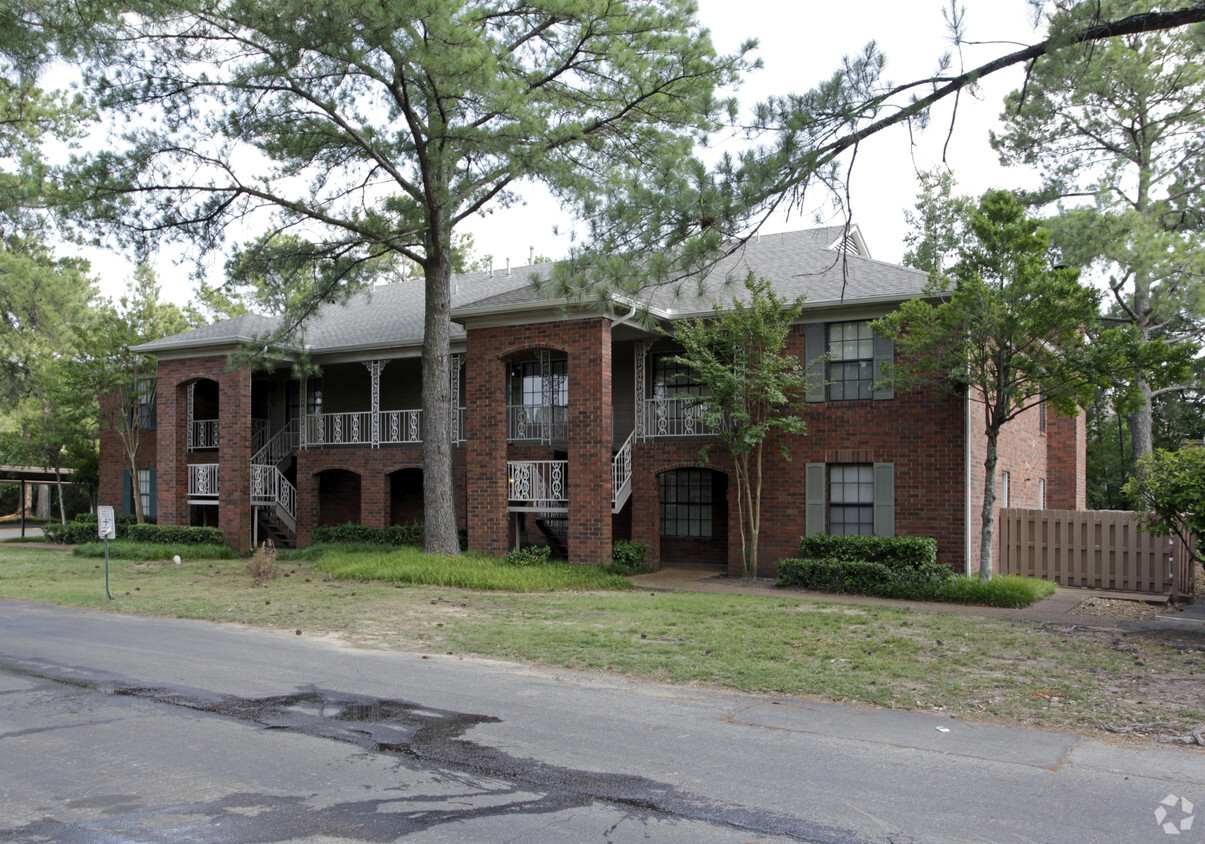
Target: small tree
<point>1169,494</point>
<point>1008,329</point>
<point>754,385</point>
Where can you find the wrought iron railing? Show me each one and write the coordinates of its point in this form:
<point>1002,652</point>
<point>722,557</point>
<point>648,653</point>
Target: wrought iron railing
<point>283,443</point>
<point>202,480</point>
<point>537,483</point>
<point>680,416</point>
<point>401,426</point>
<point>621,474</point>
<point>537,422</point>
<point>270,486</point>
<point>203,433</point>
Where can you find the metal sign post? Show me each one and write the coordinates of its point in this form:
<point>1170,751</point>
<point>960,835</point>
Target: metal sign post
<point>106,526</point>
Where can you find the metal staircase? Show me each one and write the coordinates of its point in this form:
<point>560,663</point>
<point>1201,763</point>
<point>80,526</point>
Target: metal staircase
<point>273,497</point>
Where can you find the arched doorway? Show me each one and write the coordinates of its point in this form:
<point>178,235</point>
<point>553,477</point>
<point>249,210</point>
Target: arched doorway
<point>338,497</point>
<point>406,497</point>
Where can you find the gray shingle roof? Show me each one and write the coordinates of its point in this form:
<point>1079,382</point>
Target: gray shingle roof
<point>391,316</point>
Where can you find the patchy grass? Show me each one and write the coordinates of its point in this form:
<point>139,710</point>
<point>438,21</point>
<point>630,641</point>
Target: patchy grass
<point>979,668</point>
<point>124,549</point>
<point>1003,590</point>
<point>468,571</point>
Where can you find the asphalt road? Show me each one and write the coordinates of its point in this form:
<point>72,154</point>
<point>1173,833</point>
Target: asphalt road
<point>123,728</point>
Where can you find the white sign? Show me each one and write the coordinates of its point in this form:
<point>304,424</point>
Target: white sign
<point>106,522</point>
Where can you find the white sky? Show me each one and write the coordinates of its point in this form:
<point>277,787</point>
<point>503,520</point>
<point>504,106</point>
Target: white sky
<point>800,43</point>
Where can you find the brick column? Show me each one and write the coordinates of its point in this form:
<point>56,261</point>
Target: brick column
<point>1066,461</point>
<point>374,496</point>
<point>234,457</point>
<point>646,501</point>
<point>307,498</point>
<point>590,443</point>
<point>171,478</point>
<point>485,448</point>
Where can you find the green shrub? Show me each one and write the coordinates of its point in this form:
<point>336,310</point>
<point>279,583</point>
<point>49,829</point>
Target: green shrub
<point>396,535</point>
<point>895,552</point>
<point>530,555</point>
<point>176,535</point>
<point>863,577</point>
<point>629,557</point>
<point>1004,590</point>
<point>82,528</point>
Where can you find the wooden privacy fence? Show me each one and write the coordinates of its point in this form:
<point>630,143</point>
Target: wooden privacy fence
<point>1097,549</point>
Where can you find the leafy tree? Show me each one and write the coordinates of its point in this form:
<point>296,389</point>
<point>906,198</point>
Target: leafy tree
<point>374,130</point>
<point>1118,129</point>
<point>1169,492</point>
<point>754,387</point>
<point>936,227</point>
<point>1006,328</point>
<point>118,383</point>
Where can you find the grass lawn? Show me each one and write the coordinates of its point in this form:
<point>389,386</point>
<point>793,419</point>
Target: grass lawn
<point>979,668</point>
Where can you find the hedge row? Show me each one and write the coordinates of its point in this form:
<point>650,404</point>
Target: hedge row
<point>887,566</point>
<point>893,551</point>
<point>82,531</point>
<point>352,532</point>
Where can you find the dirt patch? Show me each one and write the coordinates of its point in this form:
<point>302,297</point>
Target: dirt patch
<point>1120,609</point>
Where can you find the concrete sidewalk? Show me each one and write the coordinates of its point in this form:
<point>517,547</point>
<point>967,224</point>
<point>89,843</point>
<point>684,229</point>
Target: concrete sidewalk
<point>1054,610</point>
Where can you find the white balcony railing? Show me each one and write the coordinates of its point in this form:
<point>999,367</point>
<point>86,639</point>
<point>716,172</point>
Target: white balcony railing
<point>676,417</point>
<point>538,484</point>
<point>536,422</point>
<point>203,480</point>
<point>261,432</point>
<point>269,486</point>
<point>396,427</point>
<point>401,426</point>
<point>203,433</point>
<point>282,444</point>
<point>621,474</point>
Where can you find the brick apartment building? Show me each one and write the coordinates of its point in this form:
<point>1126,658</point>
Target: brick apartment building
<point>573,427</point>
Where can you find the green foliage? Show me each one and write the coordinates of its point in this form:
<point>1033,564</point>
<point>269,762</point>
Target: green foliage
<point>142,551</point>
<point>529,555</point>
<point>1006,326</point>
<point>1117,129</point>
<point>896,552</point>
<point>628,557</point>
<point>175,534</point>
<point>935,230</point>
<point>83,528</point>
<point>754,388</point>
<point>929,582</point>
<point>1168,490</point>
<point>396,535</point>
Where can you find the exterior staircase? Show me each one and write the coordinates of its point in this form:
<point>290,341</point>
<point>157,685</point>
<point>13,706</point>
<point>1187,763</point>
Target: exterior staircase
<point>273,497</point>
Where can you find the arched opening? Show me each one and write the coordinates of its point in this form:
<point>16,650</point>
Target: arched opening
<point>694,517</point>
<point>406,497</point>
<point>338,497</point>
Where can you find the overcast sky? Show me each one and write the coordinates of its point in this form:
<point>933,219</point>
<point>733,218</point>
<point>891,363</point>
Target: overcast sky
<point>801,43</point>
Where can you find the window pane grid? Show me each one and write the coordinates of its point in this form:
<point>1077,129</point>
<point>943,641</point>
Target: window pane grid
<point>686,503</point>
<point>851,361</point>
<point>851,500</point>
<point>674,379</point>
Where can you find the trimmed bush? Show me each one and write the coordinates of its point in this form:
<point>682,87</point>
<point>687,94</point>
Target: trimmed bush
<point>530,555</point>
<point>395,535</point>
<point>82,528</point>
<point>629,557</point>
<point>864,577</point>
<point>895,552</point>
<point>176,535</point>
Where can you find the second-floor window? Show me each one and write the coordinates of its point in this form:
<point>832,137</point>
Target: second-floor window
<point>530,384</point>
<point>851,361</point>
<point>673,379</point>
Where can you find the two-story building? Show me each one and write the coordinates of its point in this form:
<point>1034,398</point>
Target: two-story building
<point>574,427</point>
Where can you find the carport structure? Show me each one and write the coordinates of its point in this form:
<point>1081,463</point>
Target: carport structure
<point>24,475</point>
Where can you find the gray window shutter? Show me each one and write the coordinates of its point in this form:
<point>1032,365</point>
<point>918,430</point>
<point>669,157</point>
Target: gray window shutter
<point>884,352</point>
<point>153,482</point>
<point>814,352</point>
<point>884,499</point>
<point>815,498</point>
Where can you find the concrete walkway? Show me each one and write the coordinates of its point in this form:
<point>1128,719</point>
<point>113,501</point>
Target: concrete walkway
<point>1054,610</point>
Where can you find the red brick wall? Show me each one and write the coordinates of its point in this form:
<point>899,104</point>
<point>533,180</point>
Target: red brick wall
<point>1066,462</point>
<point>587,344</point>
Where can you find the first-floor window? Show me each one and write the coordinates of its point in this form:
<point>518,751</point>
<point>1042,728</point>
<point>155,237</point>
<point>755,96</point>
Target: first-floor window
<point>686,503</point>
<point>144,490</point>
<point>851,499</point>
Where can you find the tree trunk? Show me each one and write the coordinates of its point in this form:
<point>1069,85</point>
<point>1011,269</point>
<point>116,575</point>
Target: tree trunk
<point>439,509</point>
<point>987,536</point>
<point>43,512</point>
<point>1142,424</point>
